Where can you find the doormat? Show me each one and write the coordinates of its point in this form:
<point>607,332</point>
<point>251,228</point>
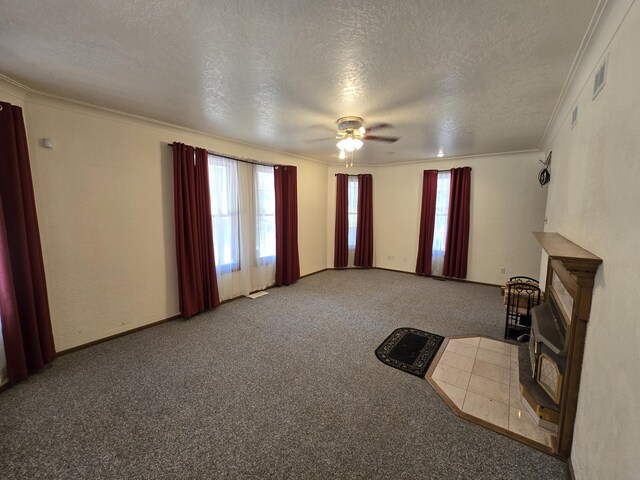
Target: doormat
<point>410,350</point>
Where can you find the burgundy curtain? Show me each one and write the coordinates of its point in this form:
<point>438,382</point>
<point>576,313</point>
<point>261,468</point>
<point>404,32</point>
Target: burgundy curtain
<point>427,221</point>
<point>197,283</point>
<point>287,258</point>
<point>364,226</point>
<point>24,306</point>
<point>341,249</point>
<point>457,245</point>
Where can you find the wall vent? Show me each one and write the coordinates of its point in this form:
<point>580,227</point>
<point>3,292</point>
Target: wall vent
<point>600,78</point>
<point>574,117</point>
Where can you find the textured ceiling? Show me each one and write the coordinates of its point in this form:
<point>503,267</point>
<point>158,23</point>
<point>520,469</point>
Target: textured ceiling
<point>466,76</point>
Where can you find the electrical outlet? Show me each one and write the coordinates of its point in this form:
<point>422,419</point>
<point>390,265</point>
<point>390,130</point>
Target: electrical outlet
<point>503,271</point>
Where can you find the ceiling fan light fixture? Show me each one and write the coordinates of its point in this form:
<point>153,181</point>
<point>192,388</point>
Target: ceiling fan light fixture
<point>350,144</point>
<point>342,155</point>
<point>440,154</point>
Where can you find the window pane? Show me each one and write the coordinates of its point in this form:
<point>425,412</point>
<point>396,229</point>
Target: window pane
<point>442,212</point>
<point>223,186</point>
<point>352,201</point>
<point>440,223</point>
<point>265,213</point>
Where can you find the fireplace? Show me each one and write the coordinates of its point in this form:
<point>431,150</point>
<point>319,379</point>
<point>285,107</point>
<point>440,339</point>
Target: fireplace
<point>544,367</point>
<point>550,364</point>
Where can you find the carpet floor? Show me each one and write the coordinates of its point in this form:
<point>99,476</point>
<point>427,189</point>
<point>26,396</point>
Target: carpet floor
<point>284,386</point>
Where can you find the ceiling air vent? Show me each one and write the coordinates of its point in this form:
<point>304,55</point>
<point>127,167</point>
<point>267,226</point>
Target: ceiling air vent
<point>574,117</point>
<point>599,79</point>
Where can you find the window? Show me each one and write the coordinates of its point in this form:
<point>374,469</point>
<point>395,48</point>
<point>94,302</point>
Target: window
<point>265,214</point>
<point>352,211</point>
<point>223,186</point>
<point>243,207</point>
<point>440,224</point>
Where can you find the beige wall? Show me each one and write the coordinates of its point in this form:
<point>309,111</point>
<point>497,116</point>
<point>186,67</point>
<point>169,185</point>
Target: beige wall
<point>507,204</point>
<point>104,195</point>
<point>11,93</point>
<point>594,200</point>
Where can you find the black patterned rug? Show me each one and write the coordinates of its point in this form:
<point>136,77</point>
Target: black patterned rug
<point>409,350</point>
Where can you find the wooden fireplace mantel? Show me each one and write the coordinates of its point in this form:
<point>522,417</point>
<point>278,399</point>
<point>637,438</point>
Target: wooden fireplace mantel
<point>576,259</point>
<point>576,268</point>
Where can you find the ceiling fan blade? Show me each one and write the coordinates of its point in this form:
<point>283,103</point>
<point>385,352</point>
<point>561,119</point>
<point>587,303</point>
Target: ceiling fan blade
<point>378,138</point>
<point>315,140</point>
<point>378,126</point>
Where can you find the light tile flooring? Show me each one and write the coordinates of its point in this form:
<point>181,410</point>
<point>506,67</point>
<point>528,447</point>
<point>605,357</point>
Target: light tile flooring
<point>480,376</point>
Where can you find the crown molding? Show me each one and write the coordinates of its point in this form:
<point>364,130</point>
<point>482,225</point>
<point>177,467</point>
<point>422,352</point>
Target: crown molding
<point>606,20</point>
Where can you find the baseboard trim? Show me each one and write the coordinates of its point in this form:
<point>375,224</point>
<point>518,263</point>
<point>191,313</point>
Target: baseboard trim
<point>143,327</point>
<point>442,279</point>
<point>572,473</point>
<point>117,335</point>
<point>314,273</point>
<point>153,324</point>
<point>5,386</point>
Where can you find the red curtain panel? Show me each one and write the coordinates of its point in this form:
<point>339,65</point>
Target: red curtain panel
<point>364,227</point>
<point>24,305</point>
<point>287,258</point>
<point>427,220</point>
<point>341,249</point>
<point>457,245</point>
<point>197,283</point>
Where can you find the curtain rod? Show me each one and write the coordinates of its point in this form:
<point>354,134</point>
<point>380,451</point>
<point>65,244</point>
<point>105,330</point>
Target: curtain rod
<point>431,170</point>
<point>445,170</point>
<point>238,159</point>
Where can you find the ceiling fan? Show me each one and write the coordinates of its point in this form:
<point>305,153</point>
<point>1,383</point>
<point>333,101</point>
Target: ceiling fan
<point>351,132</point>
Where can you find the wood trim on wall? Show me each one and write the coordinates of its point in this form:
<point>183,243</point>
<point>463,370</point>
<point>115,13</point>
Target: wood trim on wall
<point>314,273</point>
<point>570,470</point>
<point>442,279</point>
<point>111,337</point>
<point>153,324</point>
<point>143,327</point>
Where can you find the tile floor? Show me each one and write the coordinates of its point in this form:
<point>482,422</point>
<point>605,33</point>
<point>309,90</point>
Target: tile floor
<point>480,376</point>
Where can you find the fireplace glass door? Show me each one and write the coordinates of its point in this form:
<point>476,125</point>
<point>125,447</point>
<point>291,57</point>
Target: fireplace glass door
<point>549,376</point>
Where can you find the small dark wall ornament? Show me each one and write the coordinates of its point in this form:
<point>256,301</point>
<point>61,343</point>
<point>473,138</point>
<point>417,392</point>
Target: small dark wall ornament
<point>544,176</point>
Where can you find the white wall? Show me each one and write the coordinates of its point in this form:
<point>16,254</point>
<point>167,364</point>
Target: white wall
<point>15,96</point>
<point>594,199</point>
<point>104,196</point>
<point>507,204</point>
